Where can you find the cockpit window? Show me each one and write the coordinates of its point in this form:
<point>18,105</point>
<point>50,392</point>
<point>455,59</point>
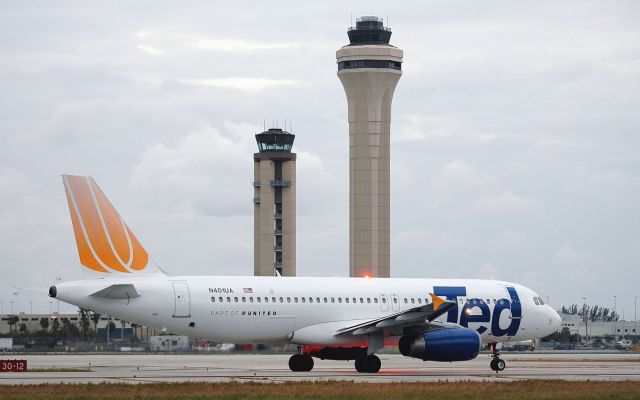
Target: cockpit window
<point>535,300</point>
<point>540,300</point>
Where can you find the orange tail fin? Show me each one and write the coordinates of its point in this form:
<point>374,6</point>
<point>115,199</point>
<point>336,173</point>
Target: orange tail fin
<point>105,242</point>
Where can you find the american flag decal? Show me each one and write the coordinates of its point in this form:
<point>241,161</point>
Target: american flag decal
<point>247,290</point>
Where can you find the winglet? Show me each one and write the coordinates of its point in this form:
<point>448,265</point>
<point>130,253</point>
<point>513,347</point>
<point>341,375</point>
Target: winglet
<point>437,301</point>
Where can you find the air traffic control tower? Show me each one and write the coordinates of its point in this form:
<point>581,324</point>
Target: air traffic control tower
<point>369,69</point>
<point>274,199</point>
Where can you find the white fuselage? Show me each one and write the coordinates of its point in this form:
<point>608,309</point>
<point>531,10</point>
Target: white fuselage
<point>309,311</point>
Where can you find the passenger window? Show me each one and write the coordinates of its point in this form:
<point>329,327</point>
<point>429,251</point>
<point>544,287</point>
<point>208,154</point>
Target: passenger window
<point>259,299</point>
<point>228,299</point>
<point>273,299</point>
<point>220,299</point>
<point>250,299</point>
<point>419,301</point>
<point>384,301</point>
<point>346,299</point>
<point>303,299</point>
<point>375,300</point>
<point>369,300</point>
<point>339,299</point>
<point>213,299</point>
<point>361,300</point>
<point>310,299</point>
<point>288,299</point>
<point>281,300</point>
<point>333,299</point>
<point>413,301</point>
<point>318,300</point>
<point>395,300</point>
<point>266,299</point>
<point>354,300</point>
<point>244,299</point>
<point>325,300</point>
<point>235,299</point>
<point>426,301</point>
<point>295,299</point>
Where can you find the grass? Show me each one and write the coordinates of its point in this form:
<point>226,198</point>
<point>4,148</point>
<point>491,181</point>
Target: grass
<point>524,390</point>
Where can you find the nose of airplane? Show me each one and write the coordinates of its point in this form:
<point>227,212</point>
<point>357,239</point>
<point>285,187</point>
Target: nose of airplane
<point>554,319</point>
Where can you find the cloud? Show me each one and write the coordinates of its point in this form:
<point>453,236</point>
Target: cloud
<point>203,173</point>
<point>247,84</point>
<point>150,50</point>
<point>577,265</point>
<point>202,42</point>
<point>235,45</point>
<point>505,203</point>
<point>420,127</point>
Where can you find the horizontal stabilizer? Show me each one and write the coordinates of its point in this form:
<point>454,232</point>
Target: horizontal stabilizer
<point>118,291</point>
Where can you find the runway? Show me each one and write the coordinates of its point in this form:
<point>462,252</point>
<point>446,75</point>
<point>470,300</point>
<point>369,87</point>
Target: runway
<point>147,368</point>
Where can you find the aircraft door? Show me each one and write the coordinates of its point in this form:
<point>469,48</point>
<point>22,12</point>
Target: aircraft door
<point>395,302</point>
<point>384,302</point>
<point>182,305</point>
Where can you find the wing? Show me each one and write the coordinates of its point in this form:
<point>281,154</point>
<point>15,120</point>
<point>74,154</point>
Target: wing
<point>413,317</point>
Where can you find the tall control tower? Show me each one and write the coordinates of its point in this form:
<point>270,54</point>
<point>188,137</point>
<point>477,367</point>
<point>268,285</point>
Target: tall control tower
<point>369,69</point>
<point>274,199</point>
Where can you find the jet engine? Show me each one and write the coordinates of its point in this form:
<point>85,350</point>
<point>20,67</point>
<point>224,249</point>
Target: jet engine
<point>449,344</point>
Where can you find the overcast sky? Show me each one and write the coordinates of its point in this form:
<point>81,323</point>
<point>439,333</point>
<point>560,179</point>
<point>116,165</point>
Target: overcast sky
<point>515,130</point>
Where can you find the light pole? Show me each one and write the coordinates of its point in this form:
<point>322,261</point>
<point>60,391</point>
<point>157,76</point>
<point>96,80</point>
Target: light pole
<point>635,318</point>
<point>584,315</point>
<point>615,311</point>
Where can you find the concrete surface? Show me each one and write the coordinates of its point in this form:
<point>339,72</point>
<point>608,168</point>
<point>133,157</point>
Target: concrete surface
<point>135,368</point>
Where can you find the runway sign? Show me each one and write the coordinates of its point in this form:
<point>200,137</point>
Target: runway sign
<point>13,365</point>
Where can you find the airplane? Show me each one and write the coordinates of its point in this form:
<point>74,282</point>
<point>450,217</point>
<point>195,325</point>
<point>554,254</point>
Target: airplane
<point>327,318</point>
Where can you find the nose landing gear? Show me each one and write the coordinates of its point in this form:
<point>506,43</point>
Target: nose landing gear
<point>497,364</point>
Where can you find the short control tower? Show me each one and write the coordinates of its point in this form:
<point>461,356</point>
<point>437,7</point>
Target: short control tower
<point>369,69</point>
<point>274,199</point>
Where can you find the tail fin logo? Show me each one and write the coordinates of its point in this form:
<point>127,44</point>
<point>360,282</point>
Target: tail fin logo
<point>105,242</point>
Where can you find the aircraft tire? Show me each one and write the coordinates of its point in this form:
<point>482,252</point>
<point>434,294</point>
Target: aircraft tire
<point>307,363</point>
<point>372,364</point>
<point>295,363</point>
<point>369,364</point>
<point>500,364</point>
<point>359,363</point>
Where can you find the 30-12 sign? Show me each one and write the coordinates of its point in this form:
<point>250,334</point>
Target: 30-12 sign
<point>13,365</point>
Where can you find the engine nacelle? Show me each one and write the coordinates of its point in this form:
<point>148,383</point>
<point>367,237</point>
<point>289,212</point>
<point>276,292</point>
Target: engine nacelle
<point>454,344</point>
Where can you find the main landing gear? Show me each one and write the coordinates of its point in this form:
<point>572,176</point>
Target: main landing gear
<point>370,364</point>
<point>300,363</point>
<point>497,364</point>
